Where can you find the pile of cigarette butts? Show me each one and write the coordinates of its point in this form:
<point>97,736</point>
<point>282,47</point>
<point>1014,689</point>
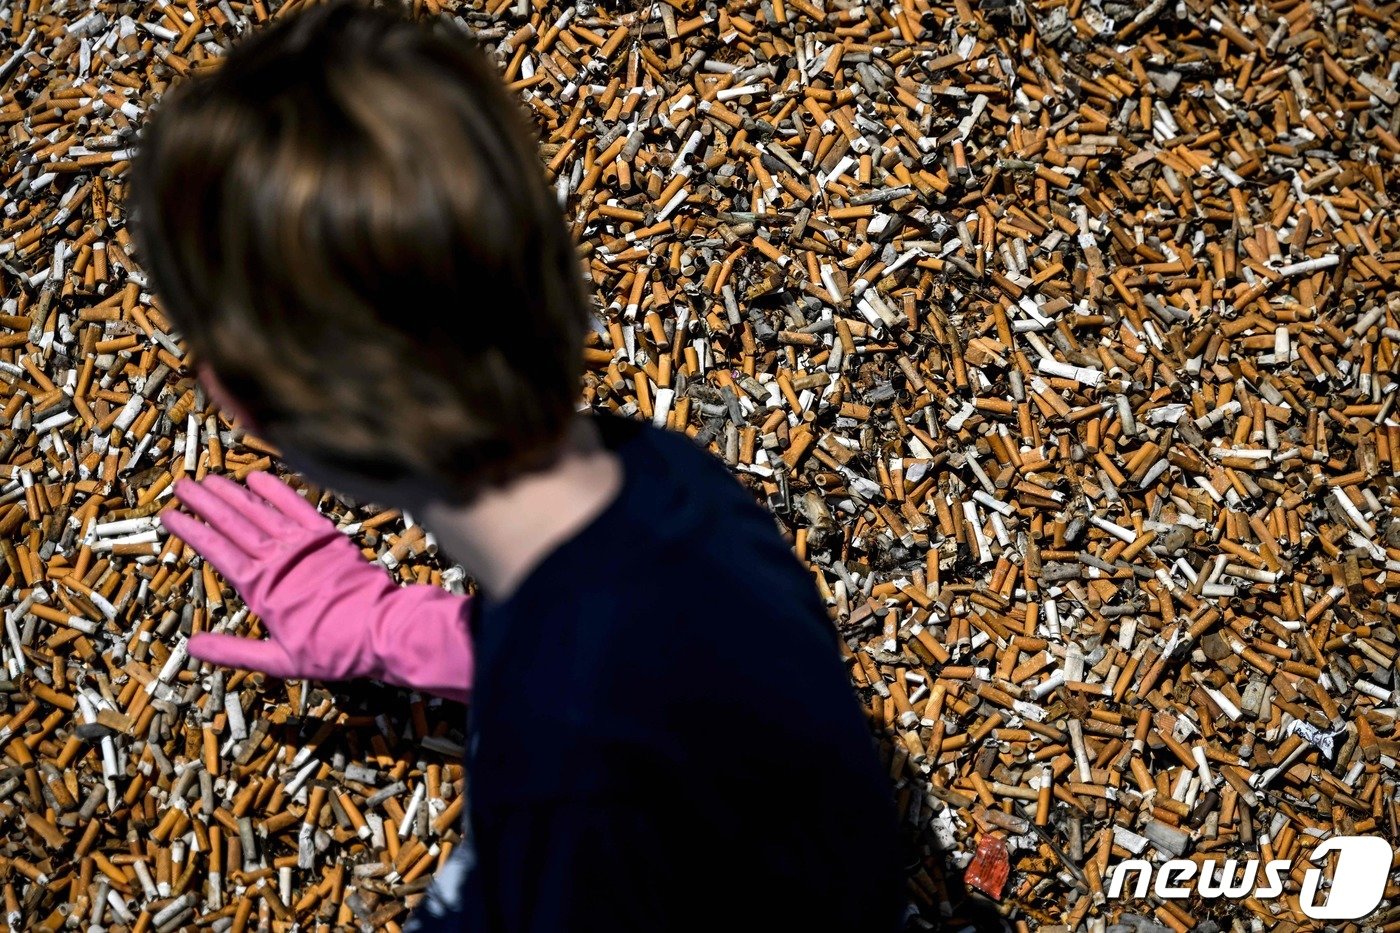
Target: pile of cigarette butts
<point>1059,336</point>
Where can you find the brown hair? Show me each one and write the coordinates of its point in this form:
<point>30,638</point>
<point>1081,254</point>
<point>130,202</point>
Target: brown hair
<point>348,221</point>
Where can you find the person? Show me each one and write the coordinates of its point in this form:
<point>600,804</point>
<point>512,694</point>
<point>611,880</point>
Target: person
<point>348,223</point>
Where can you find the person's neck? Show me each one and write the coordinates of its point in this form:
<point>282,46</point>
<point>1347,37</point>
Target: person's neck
<point>507,530</point>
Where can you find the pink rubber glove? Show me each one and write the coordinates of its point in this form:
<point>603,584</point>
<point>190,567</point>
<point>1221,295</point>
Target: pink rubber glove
<point>330,614</point>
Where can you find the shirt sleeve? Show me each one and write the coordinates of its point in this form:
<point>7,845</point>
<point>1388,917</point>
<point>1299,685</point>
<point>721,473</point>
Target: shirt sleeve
<point>574,865</point>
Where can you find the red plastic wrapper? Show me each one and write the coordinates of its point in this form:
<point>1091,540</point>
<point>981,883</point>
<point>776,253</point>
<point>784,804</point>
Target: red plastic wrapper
<point>990,866</point>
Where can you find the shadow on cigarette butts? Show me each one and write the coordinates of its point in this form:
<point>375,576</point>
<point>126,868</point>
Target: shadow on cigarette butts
<point>940,896</point>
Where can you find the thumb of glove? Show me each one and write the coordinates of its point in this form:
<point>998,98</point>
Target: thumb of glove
<point>252,654</point>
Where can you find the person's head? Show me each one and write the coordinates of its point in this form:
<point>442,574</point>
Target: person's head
<point>349,224</point>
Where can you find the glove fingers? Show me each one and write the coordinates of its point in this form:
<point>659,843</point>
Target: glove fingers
<point>226,557</point>
<point>252,654</point>
<point>286,500</point>
<point>247,504</point>
<point>228,520</point>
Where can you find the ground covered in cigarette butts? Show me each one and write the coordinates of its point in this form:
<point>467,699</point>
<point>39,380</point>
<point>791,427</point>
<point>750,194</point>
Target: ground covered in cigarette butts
<point>1061,336</point>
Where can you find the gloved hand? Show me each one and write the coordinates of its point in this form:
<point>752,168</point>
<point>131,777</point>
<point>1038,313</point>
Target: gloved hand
<point>330,614</point>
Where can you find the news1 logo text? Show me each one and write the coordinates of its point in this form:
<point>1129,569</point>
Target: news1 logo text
<point>1358,878</point>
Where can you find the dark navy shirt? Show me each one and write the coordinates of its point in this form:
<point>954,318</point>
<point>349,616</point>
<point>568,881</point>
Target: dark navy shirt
<point>662,736</point>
